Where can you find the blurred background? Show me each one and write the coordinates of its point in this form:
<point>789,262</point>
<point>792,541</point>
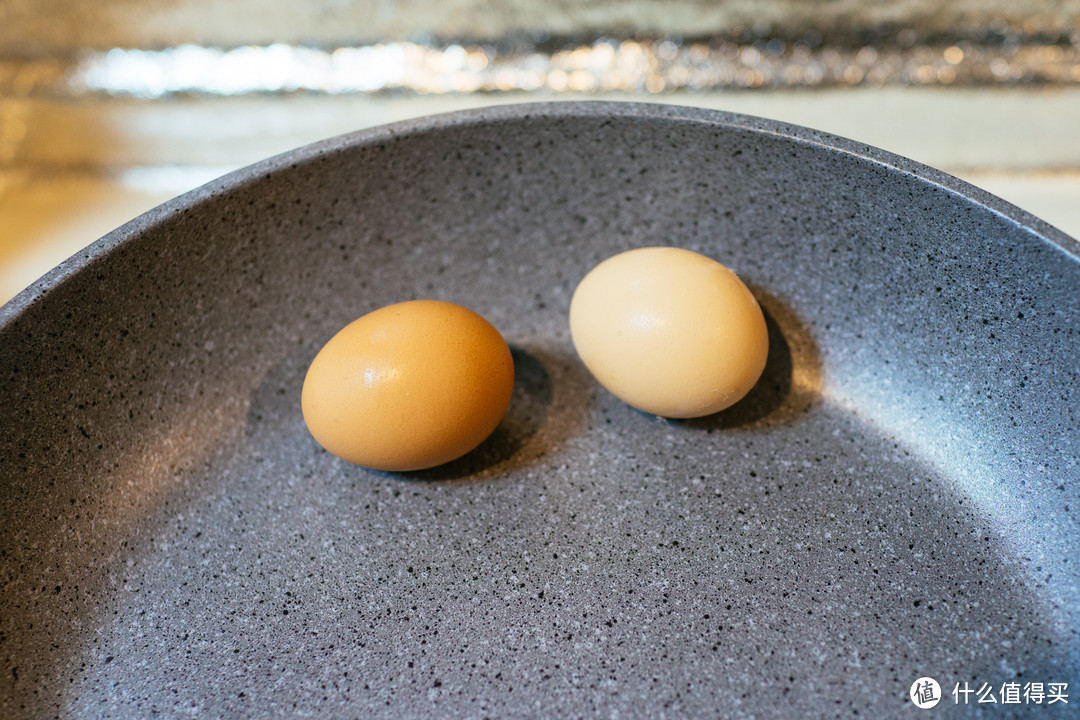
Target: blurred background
<point>109,107</point>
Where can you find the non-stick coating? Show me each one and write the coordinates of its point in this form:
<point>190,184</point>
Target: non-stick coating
<point>897,498</point>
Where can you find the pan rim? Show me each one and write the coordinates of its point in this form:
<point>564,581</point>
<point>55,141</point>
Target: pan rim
<point>101,248</point>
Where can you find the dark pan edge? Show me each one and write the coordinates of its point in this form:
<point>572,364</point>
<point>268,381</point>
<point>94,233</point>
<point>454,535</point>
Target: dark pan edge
<point>101,248</point>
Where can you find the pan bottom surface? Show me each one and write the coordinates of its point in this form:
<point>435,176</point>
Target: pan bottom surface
<point>588,560</point>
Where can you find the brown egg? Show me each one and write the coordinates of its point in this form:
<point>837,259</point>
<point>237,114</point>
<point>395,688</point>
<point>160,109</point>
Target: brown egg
<point>669,331</point>
<point>409,386</point>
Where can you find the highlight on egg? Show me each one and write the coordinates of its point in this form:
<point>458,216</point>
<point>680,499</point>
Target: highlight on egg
<point>669,331</point>
<point>408,386</point>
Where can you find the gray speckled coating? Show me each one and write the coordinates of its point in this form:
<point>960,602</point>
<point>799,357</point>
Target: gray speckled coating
<point>898,497</point>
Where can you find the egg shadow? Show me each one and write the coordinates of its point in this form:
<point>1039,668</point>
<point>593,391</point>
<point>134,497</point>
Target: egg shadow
<point>530,405</point>
<point>275,428</point>
<point>789,386</point>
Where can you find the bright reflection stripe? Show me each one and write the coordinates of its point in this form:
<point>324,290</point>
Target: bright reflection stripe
<point>606,65</point>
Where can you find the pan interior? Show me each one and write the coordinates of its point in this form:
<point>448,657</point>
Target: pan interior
<point>894,499</point>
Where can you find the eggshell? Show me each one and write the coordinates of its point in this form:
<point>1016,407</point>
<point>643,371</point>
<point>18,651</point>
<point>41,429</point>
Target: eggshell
<point>408,386</point>
<point>669,331</point>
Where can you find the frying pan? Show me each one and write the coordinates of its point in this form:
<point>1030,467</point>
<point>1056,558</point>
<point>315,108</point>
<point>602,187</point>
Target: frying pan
<point>896,499</point>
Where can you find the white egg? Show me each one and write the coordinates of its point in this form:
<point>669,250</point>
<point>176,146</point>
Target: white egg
<point>669,331</point>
